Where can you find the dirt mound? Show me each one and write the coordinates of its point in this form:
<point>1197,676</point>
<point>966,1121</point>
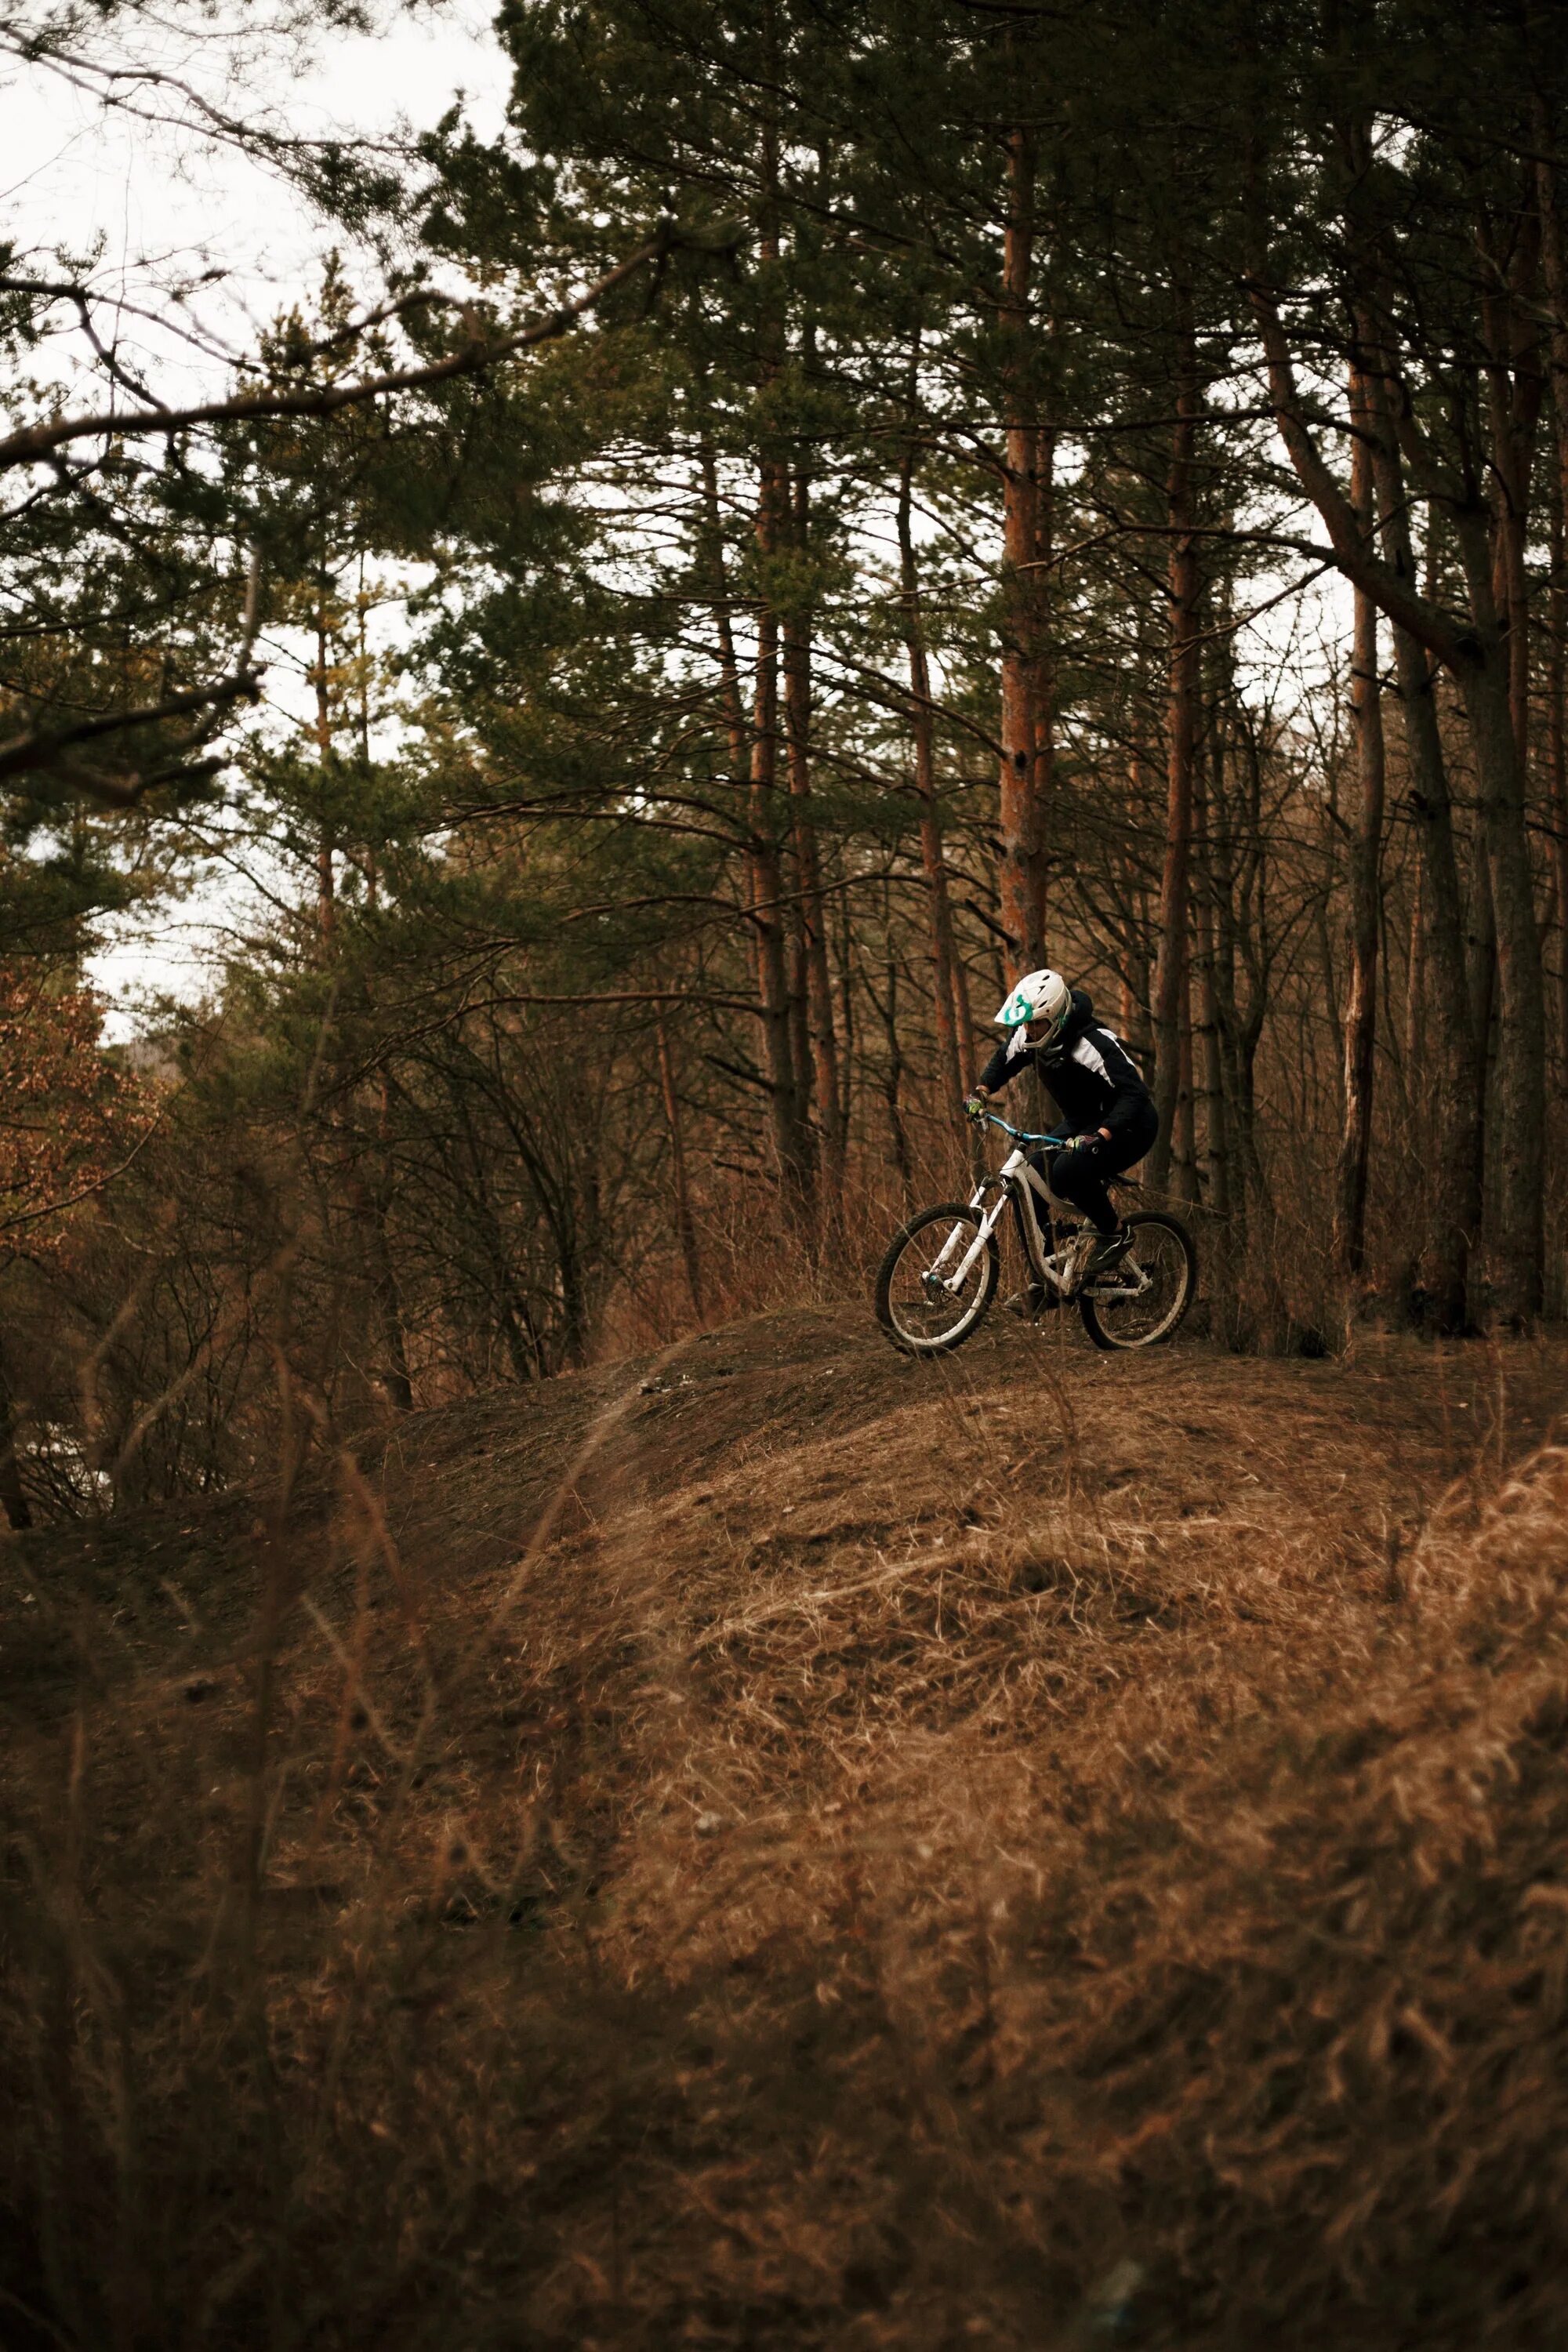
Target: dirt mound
<point>782,1845</point>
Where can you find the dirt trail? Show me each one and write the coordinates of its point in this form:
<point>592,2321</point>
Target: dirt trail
<point>1178,1432</point>
<point>781,1844</point>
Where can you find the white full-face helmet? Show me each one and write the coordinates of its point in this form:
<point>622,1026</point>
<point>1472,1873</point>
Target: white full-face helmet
<point>1041,1001</point>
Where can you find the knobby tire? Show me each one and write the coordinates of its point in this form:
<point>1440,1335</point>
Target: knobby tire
<point>1104,1332</point>
<point>903,1335</point>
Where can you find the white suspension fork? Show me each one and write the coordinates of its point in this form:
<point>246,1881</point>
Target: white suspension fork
<point>956,1281</point>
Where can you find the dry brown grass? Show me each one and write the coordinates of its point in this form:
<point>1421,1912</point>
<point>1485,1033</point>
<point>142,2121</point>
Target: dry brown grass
<point>814,1851</point>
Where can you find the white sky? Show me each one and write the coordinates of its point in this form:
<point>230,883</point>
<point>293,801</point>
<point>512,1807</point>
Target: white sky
<point>164,200</point>
<point>162,203</point>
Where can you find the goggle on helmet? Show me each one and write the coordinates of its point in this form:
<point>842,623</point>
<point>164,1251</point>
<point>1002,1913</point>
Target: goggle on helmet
<point>1041,1002</point>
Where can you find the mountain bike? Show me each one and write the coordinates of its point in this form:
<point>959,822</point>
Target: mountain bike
<point>938,1280</point>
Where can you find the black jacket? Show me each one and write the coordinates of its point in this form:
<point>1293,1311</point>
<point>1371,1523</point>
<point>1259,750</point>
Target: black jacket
<point>1093,1080</point>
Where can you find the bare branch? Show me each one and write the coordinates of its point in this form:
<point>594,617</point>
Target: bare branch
<point>1353,552</point>
<point>97,1184</point>
<point>44,749</point>
<point>37,441</point>
<point>118,88</point>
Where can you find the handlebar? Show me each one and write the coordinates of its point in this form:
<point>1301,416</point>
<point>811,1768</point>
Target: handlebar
<point>1020,1134</point>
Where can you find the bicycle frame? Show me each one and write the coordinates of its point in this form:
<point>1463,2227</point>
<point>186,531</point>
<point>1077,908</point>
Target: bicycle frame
<point>1017,1182</point>
<point>1146,1257</point>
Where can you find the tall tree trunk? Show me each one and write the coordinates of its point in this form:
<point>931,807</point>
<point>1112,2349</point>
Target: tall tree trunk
<point>1208,1057</point>
<point>12,1495</point>
<point>1454,1060</point>
<point>1481,975</point>
<point>822,1044</point>
<point>1141,946</point>
<point>1455,1128</point>
<point>799,1021</point>
<point>1021,871</point>
<point>1518,1131</point>
<point>396,1379</point>
<point>1494,680</point>
<point>1511,303</point>
<point>1185,587</point>
<point>326,884</point>
<point>685,1222</point>
<point>1421,632</point>
<point>1043,684</point>
<point>954,1054</point>
<point>737,729</point>
<point>1184,1126</point>
<point>1415,1004</point>
<point>1474,651</point>
<point>765,829</point>
<point>1229,813</point>
<point>523,1345</point>
<point>1554,271</point>
<point>893,1073</point>
<point>574,1301</point>
<point>1499,604</point>
<point>1330,997</point>
<point>845,980</point>
<point>1366,853</point>
<point>766,879</point>
<point>730,693</point>
<point>1557,724</point>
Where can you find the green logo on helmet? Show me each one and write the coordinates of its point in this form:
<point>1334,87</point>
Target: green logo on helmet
<point>1041,1002</point>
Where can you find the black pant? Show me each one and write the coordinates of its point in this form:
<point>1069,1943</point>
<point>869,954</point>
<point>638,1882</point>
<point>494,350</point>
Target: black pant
<point>1078,1176</point>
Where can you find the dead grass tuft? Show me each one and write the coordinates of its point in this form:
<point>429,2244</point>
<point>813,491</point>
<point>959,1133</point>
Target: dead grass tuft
<point>787,1847</point>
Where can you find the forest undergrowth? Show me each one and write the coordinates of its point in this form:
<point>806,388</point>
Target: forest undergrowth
<point>772,1844</point>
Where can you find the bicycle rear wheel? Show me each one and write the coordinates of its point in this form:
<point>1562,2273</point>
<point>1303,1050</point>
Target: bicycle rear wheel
<point>914,1305</point>
<point>1143,1298</point>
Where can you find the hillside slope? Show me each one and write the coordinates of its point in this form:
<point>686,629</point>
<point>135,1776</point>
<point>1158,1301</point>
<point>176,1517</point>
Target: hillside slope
<point>781,1845</point>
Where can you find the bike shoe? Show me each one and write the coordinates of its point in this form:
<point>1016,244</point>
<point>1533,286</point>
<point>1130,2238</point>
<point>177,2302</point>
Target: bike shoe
<point>1108,1251</point>
<point>1025,1304</point>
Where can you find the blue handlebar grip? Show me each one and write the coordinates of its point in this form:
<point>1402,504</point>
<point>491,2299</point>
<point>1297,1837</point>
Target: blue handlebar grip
<point>1021,1135</point>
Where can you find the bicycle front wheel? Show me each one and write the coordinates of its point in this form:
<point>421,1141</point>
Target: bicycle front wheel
<point>1144,1295</point>
<point>915,1307</point>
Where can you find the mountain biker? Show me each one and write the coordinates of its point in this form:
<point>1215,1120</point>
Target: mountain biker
<point>1097,1089</point>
